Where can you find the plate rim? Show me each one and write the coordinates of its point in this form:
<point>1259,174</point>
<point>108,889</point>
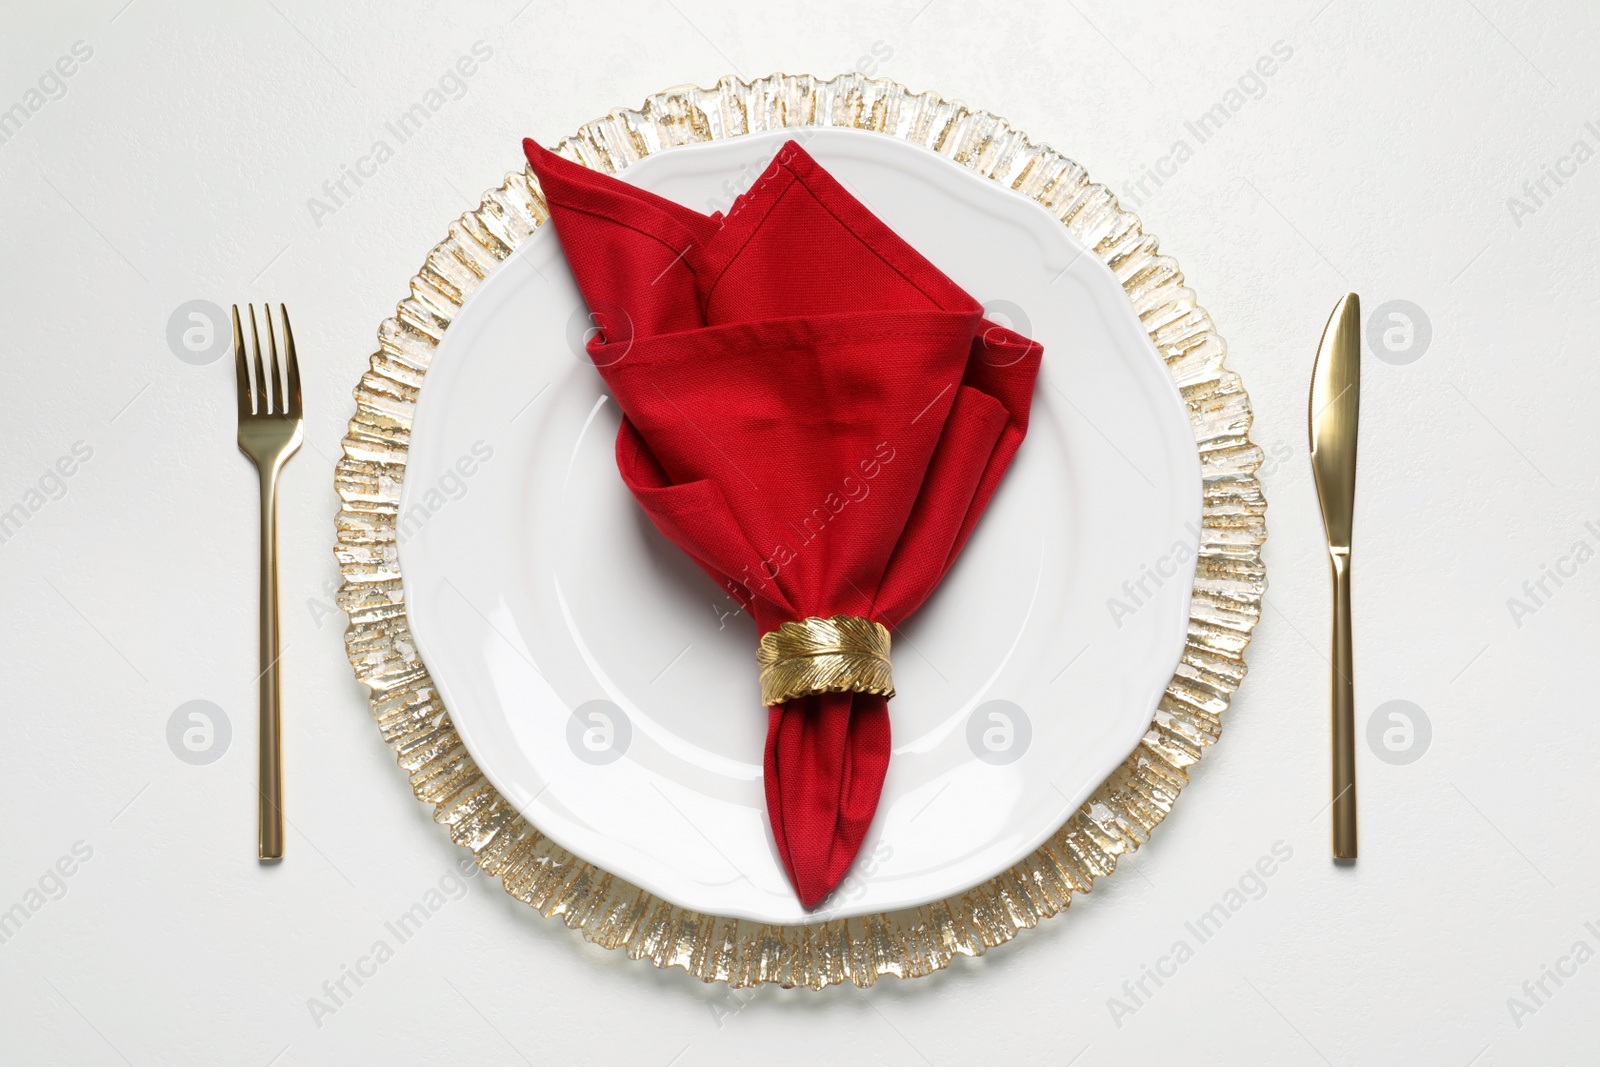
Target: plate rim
<point>1119,815</point>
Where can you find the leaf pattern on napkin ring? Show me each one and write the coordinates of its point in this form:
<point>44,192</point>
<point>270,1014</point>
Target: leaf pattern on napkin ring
<point>842,654</point>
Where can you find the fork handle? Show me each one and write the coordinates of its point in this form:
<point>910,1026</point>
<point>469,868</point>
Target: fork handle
<point>269,811</point>
<point>1344,715</point>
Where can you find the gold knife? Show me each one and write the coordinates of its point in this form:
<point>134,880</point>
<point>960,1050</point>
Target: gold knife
<point>1335,413</point>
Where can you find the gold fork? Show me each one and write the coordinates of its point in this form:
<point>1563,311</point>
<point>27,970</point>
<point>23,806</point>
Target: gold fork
<point>269,433</point>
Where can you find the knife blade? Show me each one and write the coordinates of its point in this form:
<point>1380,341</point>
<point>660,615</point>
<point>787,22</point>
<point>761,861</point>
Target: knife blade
<point>1333,423</point>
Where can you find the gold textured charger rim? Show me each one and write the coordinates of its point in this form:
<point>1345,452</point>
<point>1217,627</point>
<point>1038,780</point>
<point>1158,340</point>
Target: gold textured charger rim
<point>1119,816</point>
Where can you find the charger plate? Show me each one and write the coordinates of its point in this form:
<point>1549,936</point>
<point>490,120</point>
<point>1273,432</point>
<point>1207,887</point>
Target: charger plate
<point>739,947</point>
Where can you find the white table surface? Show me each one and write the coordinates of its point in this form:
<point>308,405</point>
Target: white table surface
<point>176,163</point>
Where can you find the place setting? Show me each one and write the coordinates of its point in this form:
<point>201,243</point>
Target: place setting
<point>797,531</point>
<point>650,534</point>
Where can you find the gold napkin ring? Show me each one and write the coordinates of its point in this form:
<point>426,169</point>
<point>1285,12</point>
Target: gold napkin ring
<point>844,654</point>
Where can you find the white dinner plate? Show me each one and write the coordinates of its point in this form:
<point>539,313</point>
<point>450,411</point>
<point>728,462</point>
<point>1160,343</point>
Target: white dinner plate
<point>608,688</point>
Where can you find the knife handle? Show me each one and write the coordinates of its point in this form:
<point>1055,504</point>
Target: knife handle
<point>1344,715</point>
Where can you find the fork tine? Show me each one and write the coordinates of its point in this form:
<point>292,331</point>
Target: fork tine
<point>293,364</point>
<point>262,407</point>
<point>275,383</point>
<point>241,371</point>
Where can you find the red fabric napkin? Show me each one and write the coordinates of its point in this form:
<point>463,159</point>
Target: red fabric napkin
<point>814,413</point>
